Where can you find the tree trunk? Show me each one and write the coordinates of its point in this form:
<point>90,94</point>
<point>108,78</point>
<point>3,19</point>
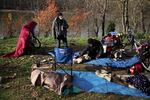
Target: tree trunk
<point>103,18</point>
<point>96,30</point>
<point>103,25</point>
<point>148,28</point>
<point>125,17</point>
<point>143,22</point>
<point>142,17</point>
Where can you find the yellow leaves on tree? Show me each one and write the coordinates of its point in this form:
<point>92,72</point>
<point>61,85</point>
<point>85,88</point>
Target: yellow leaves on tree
<point>45,16</point>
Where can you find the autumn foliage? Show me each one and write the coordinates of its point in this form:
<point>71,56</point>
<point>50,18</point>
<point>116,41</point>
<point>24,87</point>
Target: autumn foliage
<point>77,19</point>
<point>44,17</point>
<point>11,24</point>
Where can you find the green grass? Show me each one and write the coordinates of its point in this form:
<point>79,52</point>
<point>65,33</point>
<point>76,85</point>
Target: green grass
<point>20,87</point>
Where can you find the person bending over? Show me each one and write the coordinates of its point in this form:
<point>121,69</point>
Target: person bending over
<point>93,50</point>
<point>24,43</point>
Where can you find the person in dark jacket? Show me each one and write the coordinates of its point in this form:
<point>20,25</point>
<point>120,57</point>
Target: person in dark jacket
<point>131,37</point>
<point>93,50</point>
<point>59,30</point>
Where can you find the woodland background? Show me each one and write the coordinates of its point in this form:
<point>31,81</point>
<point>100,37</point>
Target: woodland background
<point>85,17</point>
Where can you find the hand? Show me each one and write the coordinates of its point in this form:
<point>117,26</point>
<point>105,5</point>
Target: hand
<point>77,56</point>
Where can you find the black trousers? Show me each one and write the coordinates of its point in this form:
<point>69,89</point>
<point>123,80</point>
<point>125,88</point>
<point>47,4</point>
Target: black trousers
<point>64,40</point>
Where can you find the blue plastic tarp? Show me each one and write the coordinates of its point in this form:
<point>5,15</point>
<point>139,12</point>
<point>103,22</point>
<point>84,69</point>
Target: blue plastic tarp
<point>89,82</point>
<point>127,63</point>
<point>114,63</point>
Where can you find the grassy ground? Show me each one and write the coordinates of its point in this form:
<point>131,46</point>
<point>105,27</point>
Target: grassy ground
<point>19,88</point>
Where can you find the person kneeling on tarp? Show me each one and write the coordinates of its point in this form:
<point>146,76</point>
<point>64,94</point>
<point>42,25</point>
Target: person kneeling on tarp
<point>92,51</point>
<point>24,43</point>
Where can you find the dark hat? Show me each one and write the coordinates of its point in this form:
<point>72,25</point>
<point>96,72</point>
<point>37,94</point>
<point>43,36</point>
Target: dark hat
<point>60,14</point>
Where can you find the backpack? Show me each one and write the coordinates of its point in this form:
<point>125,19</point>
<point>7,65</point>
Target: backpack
<point>140,82</point>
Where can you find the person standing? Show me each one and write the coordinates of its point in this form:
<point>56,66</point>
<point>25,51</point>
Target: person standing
<point>59,30</point>
<point>131,37</point>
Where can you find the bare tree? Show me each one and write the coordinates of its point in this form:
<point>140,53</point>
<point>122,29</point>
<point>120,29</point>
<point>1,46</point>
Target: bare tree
<point>98,10</point>
<point>125,19</point>
<point>103,18</point>
<point>142,16</point>
<point>96,29</point>
<point>123,4</point>
<point>134,12</point>
<point>138,10</point>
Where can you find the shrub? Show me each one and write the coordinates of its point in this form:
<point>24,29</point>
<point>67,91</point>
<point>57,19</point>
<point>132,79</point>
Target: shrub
<point>111,27</point>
